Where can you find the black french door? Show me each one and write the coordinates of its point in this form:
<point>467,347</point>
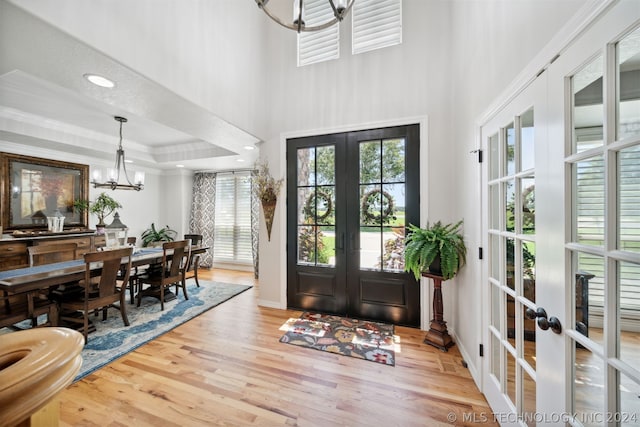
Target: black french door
<point>349,198</point>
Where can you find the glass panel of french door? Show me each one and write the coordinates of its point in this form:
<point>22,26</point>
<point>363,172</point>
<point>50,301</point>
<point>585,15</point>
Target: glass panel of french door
<point>316,205</point>
<point>512,261</point>
<point>604,248</point>
<point>382,204</point>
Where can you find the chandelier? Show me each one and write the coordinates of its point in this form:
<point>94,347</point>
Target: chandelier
<point>113,175</point>
<point>340,9</point>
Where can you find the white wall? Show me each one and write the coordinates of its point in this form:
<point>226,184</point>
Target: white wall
<point>175,200</point>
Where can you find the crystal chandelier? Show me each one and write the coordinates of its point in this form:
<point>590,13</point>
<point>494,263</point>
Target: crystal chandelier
<point>113,175</point>
<point>340,9</point>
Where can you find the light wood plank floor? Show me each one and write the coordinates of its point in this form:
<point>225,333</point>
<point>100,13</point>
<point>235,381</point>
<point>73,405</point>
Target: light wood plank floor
<point>226,367</point>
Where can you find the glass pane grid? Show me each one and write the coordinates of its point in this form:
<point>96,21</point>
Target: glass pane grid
<point>602,281</point>
<point>316,205</point>
<point>382,205</point>
<point>512,257</point>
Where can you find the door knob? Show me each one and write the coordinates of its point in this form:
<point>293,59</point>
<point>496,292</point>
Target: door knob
<point>544,322</point>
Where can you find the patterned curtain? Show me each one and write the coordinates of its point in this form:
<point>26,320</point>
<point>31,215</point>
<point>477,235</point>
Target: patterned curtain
<point>203,212</point>
<point>255,227</point>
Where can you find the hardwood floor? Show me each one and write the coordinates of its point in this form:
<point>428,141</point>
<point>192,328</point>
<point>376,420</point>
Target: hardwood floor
<point>226,367</point>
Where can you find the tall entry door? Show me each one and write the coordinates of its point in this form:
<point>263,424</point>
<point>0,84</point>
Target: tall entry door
<point>349,198</point>
<point>562,227</point>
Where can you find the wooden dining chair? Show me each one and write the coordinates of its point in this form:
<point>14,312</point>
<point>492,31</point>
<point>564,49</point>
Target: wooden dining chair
<point>47,254</point>
<point>170,272</point>
<point>33,304</point>
<point>28,306</point>
<point>193,261</point>
<point>101,292</point>
<point>135,274</point>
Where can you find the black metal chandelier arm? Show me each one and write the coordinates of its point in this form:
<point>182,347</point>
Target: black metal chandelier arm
<point>116,186</point>
<point>339,13</point>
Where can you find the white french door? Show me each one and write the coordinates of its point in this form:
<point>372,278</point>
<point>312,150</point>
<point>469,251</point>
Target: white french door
<point>562,228</point>
<point>513,141</point>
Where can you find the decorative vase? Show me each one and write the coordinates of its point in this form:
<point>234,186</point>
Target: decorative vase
<point>55,223</point>
<point>269,208</point>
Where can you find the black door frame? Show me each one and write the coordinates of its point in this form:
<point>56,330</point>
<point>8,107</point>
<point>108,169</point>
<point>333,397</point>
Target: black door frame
<point>327,289</point>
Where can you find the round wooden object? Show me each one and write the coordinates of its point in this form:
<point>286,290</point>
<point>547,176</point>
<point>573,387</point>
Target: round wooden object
<point>35,365</point>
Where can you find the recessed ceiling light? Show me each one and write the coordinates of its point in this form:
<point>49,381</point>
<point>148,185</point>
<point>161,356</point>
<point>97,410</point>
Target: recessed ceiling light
<point>249,147</point>
<point>99,80</point>
<point>179,166</point>
<point>239,160</point>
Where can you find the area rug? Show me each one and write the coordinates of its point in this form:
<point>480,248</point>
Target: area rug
<point>362,339</point>
<point>112,339</point>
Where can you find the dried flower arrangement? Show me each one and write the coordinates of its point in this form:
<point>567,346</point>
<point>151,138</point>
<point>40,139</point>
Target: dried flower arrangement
<point>265,186</point>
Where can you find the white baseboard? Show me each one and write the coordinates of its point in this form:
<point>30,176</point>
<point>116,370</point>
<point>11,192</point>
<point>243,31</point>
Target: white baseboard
<point>271,304</point>
<point>475,374</point>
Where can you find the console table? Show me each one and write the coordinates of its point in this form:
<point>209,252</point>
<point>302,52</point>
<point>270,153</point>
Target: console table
<point>437,336</point>
<point>13,249</point>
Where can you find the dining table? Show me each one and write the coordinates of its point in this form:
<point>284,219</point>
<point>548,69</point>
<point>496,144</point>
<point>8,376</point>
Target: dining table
<point>28,279</point>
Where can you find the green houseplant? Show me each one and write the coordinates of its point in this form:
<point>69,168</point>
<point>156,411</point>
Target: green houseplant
<point>154,235</point>
<point>424,247</point>
<point>103,206</point>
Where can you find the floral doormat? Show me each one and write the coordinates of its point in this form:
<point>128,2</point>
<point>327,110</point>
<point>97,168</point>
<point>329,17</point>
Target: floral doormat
<point>350,337</point>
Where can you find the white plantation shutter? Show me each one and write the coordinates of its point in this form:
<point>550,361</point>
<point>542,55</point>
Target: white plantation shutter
<point>318,46</point>
<point>590,222</point>
<point>232,238</point>
<point>629,211</point>
<point>376,24</point>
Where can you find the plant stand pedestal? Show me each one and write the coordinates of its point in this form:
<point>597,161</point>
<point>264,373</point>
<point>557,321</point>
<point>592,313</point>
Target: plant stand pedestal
<point>437,336</point>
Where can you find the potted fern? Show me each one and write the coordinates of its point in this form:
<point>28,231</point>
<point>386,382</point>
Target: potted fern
<point>438,249</point>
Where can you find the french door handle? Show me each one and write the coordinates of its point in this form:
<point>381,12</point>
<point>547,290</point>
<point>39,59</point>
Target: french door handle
<point>340,243</point>
<point>543,322</point>
<point>352,241</point>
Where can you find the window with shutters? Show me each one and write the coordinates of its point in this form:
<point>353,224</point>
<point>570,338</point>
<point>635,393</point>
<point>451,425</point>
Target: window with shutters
<point>232,230</point>
<point>318,46</point>
<point>376,24</point>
